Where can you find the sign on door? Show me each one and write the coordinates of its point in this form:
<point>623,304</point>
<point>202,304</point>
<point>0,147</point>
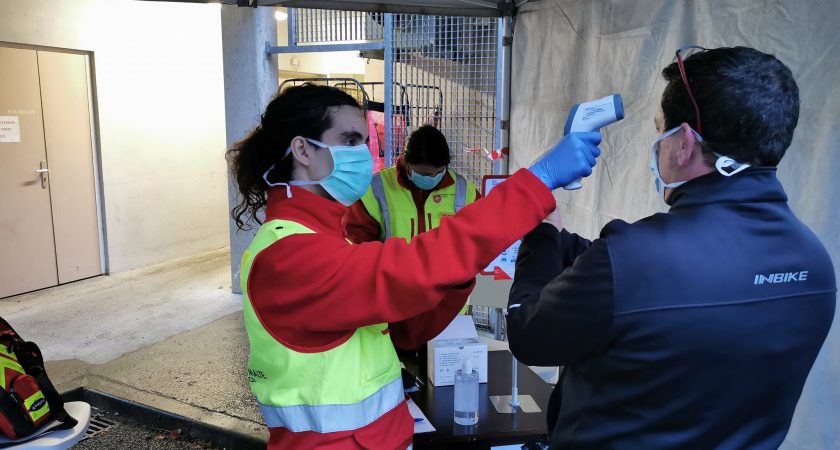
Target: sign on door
<point>9,129</point>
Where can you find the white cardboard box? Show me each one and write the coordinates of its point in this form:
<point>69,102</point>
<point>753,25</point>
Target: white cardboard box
<point>445,352</point>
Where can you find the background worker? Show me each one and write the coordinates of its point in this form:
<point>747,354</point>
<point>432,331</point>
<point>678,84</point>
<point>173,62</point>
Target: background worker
<point>695,328</point>
<point>323,314</point>
<point>412,196</point>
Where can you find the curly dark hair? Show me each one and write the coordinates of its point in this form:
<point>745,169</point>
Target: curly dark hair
<point>303,110</point>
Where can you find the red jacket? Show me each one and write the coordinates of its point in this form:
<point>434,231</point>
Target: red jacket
<point>312,291</point>
<point>362,227</point>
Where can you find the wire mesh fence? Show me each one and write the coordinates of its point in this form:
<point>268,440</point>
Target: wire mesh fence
<point>443,73</point>
<point>448,67</point>
<point>321,26</point>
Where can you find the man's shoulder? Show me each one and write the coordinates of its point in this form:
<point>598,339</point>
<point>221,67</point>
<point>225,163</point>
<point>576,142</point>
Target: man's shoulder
<point>619,228</point>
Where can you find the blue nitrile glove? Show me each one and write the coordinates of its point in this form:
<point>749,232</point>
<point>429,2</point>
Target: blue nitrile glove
<point>571,158</point>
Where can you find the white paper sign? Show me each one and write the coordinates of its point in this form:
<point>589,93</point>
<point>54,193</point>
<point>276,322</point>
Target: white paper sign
<point>490,183</point>
<point>9,128</point>
<point>506,261</point>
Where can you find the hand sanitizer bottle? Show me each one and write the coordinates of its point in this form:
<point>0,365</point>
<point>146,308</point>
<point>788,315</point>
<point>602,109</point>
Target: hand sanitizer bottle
<point>466,394</point>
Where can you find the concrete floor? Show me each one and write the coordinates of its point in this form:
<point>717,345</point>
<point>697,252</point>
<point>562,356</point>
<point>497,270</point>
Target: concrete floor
<point>168,336</point>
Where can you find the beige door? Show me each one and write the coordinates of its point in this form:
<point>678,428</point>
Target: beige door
<point>27,250</point>
<point>67,130</point>
<point>49,228</point>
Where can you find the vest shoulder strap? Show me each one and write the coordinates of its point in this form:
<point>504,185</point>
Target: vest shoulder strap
<point>461,186</point>
<point>378,187</point>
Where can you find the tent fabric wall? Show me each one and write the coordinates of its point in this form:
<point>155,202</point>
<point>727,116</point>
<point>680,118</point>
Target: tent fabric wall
<point>566,52</point>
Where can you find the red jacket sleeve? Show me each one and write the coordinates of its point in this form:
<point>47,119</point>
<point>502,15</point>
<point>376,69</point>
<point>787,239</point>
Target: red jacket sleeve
<point>361,226</point>
<point>321,283</point>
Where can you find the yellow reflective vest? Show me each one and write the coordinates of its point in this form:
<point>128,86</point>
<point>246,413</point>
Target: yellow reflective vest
<point>392,206</point>
<point>344,388</point>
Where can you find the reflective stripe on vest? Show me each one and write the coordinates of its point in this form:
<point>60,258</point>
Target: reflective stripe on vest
<point>41,411</point>
<point>8,362</point>
<point>460,192</point>
<point>334,418</point>
<point>379,195</point>
<point>319,390</point>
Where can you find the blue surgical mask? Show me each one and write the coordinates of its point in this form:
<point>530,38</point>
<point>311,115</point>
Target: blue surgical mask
<point>351,175</point>
<point>724,164</point>
<point>426,182</point>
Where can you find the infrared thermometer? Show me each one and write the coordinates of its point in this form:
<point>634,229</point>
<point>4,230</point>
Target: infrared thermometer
<point>591,116</point>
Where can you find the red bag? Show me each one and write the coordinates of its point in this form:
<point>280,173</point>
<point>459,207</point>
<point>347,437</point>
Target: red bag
<point>28,399</point>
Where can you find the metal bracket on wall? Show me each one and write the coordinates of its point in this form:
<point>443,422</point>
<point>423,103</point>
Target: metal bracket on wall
<point>269,49</point>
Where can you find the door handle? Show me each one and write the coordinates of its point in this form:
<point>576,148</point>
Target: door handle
<point>43,171</point>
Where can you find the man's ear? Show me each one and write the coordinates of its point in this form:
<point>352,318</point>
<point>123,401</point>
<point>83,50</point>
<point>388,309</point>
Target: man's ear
<point>687,146</point>
<point>300,151</point>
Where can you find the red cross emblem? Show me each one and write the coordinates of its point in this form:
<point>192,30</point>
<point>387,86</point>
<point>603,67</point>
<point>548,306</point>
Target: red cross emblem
<point>437,198</point>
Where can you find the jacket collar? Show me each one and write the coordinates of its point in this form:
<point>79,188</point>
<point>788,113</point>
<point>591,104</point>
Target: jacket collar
<point>312,210</point>
<point>752,185</point>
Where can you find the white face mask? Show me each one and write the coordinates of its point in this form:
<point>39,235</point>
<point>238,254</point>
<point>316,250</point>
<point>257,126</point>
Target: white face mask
<point>725,165</point>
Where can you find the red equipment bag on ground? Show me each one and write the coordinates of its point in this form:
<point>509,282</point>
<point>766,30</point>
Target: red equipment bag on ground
<point>28,399</point>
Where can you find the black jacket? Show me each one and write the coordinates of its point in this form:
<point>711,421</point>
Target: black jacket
<point>694,329</point>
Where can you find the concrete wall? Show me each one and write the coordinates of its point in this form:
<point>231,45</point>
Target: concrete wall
<point>159,81</point>
<point>250,80</point>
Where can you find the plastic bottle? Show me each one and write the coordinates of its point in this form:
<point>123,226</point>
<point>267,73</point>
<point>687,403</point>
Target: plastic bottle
<point>466,394</point>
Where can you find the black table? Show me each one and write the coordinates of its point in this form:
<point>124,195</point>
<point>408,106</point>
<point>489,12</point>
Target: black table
<point>492,428</point>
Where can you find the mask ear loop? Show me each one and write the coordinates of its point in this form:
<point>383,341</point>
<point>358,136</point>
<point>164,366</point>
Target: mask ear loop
<point>270,184</point>
<point>725,165</point>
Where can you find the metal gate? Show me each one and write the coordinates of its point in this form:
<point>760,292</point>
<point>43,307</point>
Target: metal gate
<point>448,67</point>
